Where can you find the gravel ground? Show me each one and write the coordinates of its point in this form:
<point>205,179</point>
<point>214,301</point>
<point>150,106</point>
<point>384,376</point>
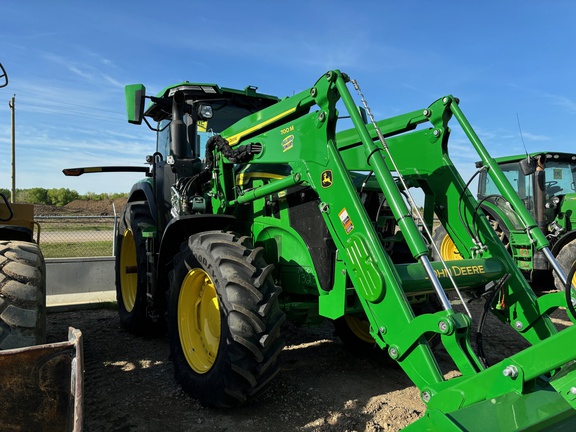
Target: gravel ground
<point>129,384</point>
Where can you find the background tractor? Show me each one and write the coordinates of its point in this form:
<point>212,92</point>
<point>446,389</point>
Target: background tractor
<point>22,273</point>
<point>546,184</point>
<point>286,218</point>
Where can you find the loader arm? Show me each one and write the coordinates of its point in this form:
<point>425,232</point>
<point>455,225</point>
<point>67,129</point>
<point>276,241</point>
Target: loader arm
<point>291,133</point>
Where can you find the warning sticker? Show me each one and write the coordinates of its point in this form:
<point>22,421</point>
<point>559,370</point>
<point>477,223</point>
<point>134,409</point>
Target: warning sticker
<point>346,221</point>
<point>287,143</point>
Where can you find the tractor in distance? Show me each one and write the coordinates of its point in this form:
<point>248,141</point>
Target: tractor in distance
<point>546,183</point>
<point>290,216</point>
<point>22,273</point>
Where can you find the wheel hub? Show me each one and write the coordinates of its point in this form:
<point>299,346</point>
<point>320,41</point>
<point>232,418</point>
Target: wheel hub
<point>199,320</point>
<point>128,272</point>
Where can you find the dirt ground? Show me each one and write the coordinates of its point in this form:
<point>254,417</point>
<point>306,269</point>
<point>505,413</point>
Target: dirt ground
<point>83,208</point>
<point>129,384</point>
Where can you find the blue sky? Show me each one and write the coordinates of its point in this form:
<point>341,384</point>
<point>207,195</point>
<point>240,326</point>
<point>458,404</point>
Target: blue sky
<point>69,61</point>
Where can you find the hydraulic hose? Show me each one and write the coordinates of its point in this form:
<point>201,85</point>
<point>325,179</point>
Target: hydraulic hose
<point>481,322</point>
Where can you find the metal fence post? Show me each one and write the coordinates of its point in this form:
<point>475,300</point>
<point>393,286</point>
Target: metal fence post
<point>115,232</point>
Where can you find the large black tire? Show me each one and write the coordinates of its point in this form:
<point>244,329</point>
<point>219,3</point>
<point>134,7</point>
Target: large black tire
<point>354,332</point>
<point>445,245</point>
<point>223,320</point>
<point>131,268</point>
<point>566,258</point>
<point>22,295</point>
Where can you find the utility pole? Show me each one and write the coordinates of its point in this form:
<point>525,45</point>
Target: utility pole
<point>11,104</point>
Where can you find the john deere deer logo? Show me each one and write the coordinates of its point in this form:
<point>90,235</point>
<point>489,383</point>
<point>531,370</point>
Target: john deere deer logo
<point>327,178</point>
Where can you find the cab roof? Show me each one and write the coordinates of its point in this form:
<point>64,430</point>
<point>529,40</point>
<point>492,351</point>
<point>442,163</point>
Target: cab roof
<point>207,91</point>
<point>549,155</point>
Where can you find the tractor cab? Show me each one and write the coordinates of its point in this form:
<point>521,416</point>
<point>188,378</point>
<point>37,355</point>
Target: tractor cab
<point>544,181</point>
<point>186,115</point>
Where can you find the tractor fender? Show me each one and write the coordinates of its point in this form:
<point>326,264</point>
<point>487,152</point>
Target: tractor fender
<point>563,241</point>
<point>179,230</point>
<point>142,191</point>
<point>497,213</point>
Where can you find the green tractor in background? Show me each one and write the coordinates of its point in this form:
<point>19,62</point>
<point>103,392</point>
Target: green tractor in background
<point>546,184</point>
<point>287,219</point>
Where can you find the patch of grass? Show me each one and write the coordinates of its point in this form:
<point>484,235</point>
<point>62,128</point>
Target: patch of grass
<point>60,226</point>
<point>70,249</point>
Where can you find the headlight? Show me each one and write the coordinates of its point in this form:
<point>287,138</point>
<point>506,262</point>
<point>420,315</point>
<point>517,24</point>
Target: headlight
<point>205,112</point>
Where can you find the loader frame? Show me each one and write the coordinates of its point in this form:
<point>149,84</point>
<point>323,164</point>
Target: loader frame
<point>378,283</point>
<point>284,168</point>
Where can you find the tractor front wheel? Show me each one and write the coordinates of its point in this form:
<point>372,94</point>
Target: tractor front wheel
<point>223,319</point>
<point>566,258</point>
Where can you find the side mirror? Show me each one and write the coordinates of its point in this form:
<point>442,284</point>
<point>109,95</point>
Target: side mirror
<point>528,165</point>
<point>135,94</point>
<point>3,77</point>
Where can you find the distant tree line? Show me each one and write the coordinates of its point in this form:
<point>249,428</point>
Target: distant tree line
<point>58,197</point>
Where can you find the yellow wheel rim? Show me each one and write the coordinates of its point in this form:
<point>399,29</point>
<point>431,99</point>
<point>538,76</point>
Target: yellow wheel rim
<point>448,250</point>
<point>199,320</point>
<point>573,277</point>
<point>360,328</point>
<point>128,272</point>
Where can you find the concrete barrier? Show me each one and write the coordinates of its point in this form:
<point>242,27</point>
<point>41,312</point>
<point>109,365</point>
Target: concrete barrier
<point>72,282</point>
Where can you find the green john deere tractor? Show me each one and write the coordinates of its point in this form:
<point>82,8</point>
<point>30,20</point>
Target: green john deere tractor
<point>285,218</point>
<point>546,184</point>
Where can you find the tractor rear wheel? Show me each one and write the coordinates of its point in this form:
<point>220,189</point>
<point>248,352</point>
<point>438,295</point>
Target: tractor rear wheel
<point>22,295</point>
<point>566,258</point>
<point>131,268</point>
<point>354,332</point>
<point>446,247</point>
<point>223,319</point>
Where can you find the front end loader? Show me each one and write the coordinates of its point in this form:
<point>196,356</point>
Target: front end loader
<point>286,218</point>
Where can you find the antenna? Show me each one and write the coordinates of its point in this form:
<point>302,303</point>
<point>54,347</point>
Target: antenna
<point>521,136</point>
<point>528,166</point>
